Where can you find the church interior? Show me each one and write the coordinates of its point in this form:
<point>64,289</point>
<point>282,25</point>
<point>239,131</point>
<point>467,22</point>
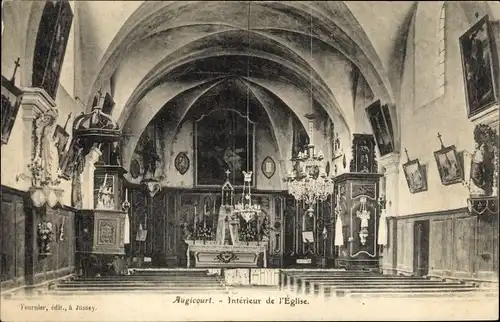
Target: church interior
<point>284,143</point>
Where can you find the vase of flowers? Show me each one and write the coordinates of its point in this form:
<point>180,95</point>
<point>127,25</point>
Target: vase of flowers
<point>45,236</point>
<point>204,233</point>
<point>247,235</point>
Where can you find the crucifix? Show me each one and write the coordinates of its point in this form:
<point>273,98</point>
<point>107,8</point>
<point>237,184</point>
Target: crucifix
<point>440,140</point>
<point>16,63</point>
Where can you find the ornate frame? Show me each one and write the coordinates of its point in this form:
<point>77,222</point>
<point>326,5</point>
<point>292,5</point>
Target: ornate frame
<point>11,102</point>
<point>268,174</point>
<point>195,150</point>
<point>459,176</point>
<point>492,55</point>
<point>421,172</point>
<point>182,162</point>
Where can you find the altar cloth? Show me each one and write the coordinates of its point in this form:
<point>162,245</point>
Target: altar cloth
<point>211,256</point>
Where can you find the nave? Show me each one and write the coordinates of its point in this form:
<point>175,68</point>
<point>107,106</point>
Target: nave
<point>334,150</point>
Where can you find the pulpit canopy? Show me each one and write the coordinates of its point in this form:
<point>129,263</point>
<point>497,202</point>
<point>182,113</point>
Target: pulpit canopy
<point>97,126</point>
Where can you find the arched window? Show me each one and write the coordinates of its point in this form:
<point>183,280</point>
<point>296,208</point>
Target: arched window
<point>441,63</point>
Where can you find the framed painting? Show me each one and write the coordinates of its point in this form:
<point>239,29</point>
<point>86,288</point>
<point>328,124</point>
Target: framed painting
<point>380,121</point>
<point>223,140</point>
<point>268,167</point>
<point>449,165</point>
<point>68,161</point>
<point>415,176</point>
<point>61,138</point>
<point>51,42</point>
<point>11,102</point>
<point>478,53</point>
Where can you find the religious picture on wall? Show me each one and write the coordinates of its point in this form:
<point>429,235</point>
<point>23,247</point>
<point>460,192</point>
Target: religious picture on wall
<point>478,56</point>
<point>11,101</point>
<point>449,165</point>
<point>415,176</point>
<point>222,143</point>
<point>61,137</point>
<point>380,121</point>
<point>51,41</point>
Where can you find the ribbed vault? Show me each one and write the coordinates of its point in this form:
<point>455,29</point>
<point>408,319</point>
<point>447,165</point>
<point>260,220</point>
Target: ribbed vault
<point>293,52</point>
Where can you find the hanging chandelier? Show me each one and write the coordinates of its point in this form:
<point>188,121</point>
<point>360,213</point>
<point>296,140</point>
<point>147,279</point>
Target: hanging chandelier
<point>244,207</point>
<point>308,181</point>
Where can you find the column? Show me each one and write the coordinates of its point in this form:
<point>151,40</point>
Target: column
<point>87,178</point>
<point>34,103</point>
<point>390,163</point>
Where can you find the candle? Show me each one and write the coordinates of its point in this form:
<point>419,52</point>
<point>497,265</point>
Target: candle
<point>126,194</point>
<point>214,205</point>
<point>195,219</point>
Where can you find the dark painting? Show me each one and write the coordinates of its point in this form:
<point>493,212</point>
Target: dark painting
<point>61,138</point>
<point>11,101</point>
<point>478,53</point>
<point>222,142</point>
<point>51,41</point>
<point>380,121</point>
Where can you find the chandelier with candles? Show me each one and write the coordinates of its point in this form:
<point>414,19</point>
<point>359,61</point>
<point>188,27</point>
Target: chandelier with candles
<point>244,207</point>
<point>308,181</point>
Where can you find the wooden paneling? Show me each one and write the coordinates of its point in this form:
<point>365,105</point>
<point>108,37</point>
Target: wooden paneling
<point>20,262</point>
<point>12,243</point>
<point>460,245</point>
<point>464,246</point>
<point>62,260</point>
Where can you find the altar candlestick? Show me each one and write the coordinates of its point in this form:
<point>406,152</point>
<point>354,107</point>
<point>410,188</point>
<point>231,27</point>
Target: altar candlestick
<point>195,219</point>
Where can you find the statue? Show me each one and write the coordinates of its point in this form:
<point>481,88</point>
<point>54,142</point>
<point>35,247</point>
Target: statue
<point>45,158</point>
<point>149,157</point>
<point>483,172</point>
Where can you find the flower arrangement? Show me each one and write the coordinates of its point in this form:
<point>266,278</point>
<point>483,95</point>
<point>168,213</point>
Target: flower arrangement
<point>248,234</point>
<point>45,235</point>
<point>204,233</point>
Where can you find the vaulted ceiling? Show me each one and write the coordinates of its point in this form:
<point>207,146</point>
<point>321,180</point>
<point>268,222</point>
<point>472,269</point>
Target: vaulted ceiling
<point>152,52</point>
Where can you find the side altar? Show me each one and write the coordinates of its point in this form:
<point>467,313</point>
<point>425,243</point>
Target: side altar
<point>236,238</point>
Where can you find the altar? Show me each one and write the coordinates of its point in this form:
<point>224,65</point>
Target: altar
<point>229,256</point>
<point>229,236</point>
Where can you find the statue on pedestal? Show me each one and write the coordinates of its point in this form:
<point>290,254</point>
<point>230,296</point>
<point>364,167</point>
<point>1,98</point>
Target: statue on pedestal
<point>45,158</point>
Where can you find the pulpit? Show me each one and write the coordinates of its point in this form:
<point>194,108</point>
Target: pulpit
<point>100,223</point>
<point>101,230</point>
<point>357,208</point>
<point>359,214</point>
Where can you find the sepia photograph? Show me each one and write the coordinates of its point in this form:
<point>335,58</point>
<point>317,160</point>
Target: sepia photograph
<point>249,161</point>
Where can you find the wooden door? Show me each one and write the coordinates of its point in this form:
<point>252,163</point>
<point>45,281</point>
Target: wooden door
<point>421,248</point>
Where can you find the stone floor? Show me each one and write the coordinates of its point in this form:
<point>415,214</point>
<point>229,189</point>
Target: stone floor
<point>244,303</point>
